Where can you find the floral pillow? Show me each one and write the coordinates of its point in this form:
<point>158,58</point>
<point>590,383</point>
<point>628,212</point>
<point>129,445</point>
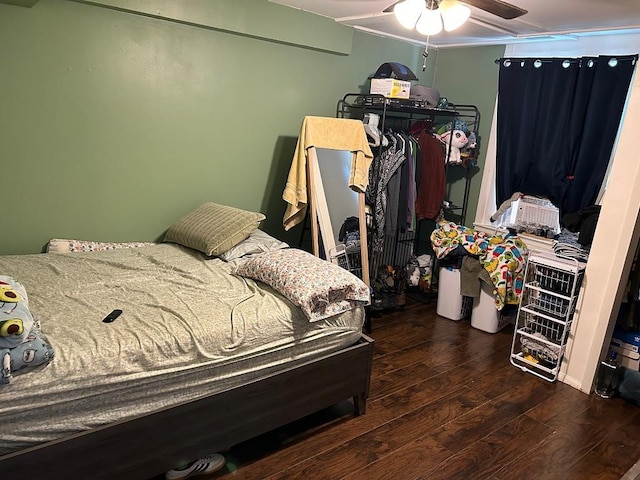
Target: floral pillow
<point>60,245</point>
<point>320,288</point>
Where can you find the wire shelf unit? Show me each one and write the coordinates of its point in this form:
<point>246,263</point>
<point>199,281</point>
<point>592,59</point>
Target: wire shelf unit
<point>546,311</point>
<point>347,257</point>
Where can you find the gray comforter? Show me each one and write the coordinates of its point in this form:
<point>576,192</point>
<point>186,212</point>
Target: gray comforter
<point>188,328</point>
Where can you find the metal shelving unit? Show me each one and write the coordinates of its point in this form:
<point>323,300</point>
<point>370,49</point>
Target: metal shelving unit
<point>399,115</point>
<point>551,289</point>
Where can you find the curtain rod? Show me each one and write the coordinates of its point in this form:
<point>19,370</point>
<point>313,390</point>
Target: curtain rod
<point>549,59</point>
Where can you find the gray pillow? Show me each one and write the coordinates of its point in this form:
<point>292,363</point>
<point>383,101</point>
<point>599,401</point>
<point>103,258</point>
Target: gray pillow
<point>257,242</point>
<point>213,229</point>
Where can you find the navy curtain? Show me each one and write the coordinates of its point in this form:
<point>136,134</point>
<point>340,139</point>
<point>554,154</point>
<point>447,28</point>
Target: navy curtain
<point>557,124</point>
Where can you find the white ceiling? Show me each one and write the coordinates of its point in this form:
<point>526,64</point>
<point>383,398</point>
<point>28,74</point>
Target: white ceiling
<point>546,19</point>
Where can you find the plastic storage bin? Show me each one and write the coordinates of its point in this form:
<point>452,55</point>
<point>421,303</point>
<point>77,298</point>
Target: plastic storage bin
<point>451,304</point>
<point>484,315</point>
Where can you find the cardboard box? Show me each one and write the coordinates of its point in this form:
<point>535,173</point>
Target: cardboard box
<point>390,87</point>
<point>626,340</point>
<point>627,358</point>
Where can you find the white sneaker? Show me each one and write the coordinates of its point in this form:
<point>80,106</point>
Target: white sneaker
<point>204,465</point>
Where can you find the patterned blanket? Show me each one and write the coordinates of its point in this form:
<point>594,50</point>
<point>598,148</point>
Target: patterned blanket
<point>504,257</point>
<point>22,346</point>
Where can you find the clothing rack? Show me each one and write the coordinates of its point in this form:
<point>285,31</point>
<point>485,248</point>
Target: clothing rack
<point>400,115</point>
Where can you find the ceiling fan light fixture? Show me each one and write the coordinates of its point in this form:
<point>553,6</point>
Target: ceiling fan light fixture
<point>454,14</point>
<point>408,12</point>
<point>430,22</point>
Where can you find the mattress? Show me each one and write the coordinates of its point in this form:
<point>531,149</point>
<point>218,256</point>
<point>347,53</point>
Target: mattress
<point>189,328</point>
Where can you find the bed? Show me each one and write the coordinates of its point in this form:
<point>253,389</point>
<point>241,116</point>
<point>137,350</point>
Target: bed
<point>206,353</point>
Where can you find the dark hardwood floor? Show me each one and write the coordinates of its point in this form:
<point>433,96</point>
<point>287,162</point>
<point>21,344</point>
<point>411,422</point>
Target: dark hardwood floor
<point>446,403</point>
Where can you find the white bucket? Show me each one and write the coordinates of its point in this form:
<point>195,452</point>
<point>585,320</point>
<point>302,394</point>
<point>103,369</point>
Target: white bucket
<point>451,304</point>
<point>484,315</point>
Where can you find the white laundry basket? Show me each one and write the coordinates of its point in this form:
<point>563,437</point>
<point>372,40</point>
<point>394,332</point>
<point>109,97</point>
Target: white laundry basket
<point>484,315</point>
<point>451,304</point>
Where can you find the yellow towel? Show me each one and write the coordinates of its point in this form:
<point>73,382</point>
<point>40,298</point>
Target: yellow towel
<point>332,133</point>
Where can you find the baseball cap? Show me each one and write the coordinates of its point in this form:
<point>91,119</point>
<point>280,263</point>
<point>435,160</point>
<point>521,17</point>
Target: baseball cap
<point>424,93</point>
<point>395,70</point>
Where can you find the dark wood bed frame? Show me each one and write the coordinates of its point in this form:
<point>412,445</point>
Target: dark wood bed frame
<point>151,444</point>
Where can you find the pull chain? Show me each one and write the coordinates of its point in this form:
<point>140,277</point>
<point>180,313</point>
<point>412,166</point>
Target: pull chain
<point>425,54</point>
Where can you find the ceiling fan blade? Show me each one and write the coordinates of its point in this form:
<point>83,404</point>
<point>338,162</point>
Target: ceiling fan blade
<point>498,7</point>
<point>390,7</point>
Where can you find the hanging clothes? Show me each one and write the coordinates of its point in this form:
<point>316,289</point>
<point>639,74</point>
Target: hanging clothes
<point>394,188</point>
<point>407,182</point>
<point>406,195</point>
<point>431,183</point>
<point>382,169</point>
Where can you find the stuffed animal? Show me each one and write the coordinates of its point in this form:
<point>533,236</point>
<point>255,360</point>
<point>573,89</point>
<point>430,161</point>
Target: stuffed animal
<point>22,346</point>
<point>16,320</point>
<point>469,154</point>
<point>453,141</point>
<point>33,352</point>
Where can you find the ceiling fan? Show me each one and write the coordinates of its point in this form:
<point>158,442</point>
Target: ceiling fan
<point>429,16</point>
<point>496,7</point>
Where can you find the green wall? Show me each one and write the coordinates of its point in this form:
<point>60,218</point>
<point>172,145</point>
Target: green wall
<point>114,124</point>
<point>470,76</point>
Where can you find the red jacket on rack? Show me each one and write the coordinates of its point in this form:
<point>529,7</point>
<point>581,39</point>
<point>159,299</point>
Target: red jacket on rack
<point>431,184</point>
